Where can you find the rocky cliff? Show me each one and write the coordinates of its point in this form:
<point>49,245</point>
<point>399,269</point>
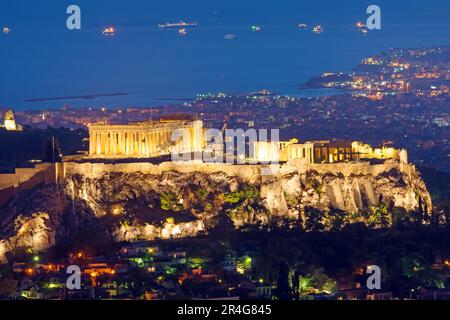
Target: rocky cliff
<point>131,206</point>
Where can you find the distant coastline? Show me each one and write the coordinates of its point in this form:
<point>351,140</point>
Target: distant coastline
<point>317,92</point>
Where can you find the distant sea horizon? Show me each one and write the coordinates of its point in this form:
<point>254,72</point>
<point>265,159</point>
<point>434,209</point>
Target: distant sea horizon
<point>40,58</point>
<point>123,101</point>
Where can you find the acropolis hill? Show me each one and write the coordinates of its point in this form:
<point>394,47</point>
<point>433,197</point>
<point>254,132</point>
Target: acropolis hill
<point>134,199</point>
<point>143,201</point>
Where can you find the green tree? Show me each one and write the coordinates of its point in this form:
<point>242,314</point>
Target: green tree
<point>232,198</point>
<point>283,288</point>
<point>169,202</point>
<point>52,152</point>
<point>8,287</point>
<point>313,219</point>
<point>383,216</point>
<point>317,282</point>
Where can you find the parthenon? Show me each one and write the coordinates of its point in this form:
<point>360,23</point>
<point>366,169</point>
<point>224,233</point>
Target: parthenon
<point>145,139</point>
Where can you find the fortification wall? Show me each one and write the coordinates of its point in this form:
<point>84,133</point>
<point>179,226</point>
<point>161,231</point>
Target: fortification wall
<point>45,173</point>
<point>247,173</point>
<point>26,178</point>
<point>363,168</point>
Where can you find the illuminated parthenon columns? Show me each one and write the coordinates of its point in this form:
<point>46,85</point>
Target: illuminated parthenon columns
<point>146,139</point>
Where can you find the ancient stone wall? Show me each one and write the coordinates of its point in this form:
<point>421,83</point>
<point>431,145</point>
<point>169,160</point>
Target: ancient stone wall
<point>45,173</point>
<point>247,173</point>
<point>25,178</point>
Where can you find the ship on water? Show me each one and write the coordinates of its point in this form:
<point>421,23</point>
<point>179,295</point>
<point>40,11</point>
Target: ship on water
<point>177,25</point>
<point>364,31</point>
<point>182,31</point>
<point>230,36</point>
<point>318,29</point>
<point>360,25</point>
<point>6,30</point>
<point>302,25</point>
<point>256,28</point>
<point>109,32</point>
<point>362,28</point>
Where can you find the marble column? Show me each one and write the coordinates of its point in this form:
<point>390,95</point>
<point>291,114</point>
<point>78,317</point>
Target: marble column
<point>157,138</point>
<point>115,142</point>
<point>152,142</point>
<point>91,143</point>
<point>99,143</point>
<point>137,149</point>
<point>147,144</point>
<point>141,145</point>
<point>136,143</point>
<point>131,143</point>
<point>108,143</point>
<point>119,142</point>
<point>166,139</point>
<point>127,143</point>
<point>123,144</point>
<point>112,143</point>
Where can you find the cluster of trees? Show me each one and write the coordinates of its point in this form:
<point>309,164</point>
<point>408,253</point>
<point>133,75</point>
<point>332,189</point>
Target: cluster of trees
<point>40,144</point>
<point>312,262</point>
<point>438,184</point>
<point>170,202</point>
<point>244,204</point>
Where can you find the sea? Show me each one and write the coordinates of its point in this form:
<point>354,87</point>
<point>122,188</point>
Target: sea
<point>41,58</point>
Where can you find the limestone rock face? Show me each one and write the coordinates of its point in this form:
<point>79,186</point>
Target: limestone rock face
<point>357,193</point>
<point>32,220</point>
<point>150,232</point>
<point>141,206</point>
<point>33,232</point>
